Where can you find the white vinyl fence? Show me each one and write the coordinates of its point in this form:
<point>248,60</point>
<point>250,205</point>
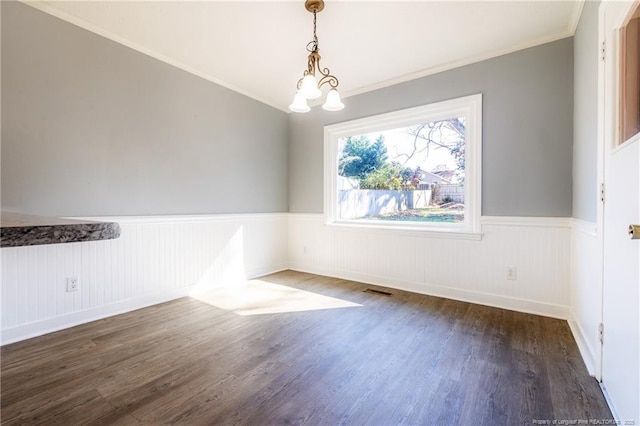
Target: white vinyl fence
<point>357,203</point>
<point>449,191</point>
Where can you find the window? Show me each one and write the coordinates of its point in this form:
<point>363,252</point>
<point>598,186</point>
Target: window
<point>630,78</point>
<point>417,169</point>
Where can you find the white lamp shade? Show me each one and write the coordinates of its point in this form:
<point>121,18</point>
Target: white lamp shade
<point>299,104</point>
<point>309,87</point>
<point>333,102</point>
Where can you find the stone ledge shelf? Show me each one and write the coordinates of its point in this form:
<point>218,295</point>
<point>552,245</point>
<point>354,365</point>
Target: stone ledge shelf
<point>19,229</point>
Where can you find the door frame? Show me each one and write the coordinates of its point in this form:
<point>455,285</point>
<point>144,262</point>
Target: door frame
<point>600,185</point>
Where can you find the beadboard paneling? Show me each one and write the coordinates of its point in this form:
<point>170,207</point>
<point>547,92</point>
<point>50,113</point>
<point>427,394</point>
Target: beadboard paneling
<point>161,258</point>
<point>469,270</point>
<point>586,291</point>
<point>156,259</point>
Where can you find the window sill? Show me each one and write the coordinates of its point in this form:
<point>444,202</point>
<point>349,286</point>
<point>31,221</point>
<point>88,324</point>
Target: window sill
<point>409,231</point>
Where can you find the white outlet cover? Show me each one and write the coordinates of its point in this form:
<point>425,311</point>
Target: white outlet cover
<point>73,284</point>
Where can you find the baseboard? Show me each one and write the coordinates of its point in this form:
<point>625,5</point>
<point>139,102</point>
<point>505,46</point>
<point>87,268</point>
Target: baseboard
<point>513,304</point>
<point>261,272</point>
<point>612,407</point>
<point>39,328</point>
<point>581,340</point>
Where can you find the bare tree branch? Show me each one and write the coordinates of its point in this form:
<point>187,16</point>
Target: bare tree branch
<point>431,134</point>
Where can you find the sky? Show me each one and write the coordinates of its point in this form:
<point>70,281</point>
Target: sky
<point>399,141</point>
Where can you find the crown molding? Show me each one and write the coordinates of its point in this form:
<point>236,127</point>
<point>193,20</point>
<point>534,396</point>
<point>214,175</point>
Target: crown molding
<point>460,63</point>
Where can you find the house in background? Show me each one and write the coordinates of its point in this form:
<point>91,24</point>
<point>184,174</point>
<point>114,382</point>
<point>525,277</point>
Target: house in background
<point>439,178</point>
<point>212,182</point>
<point>444,173</point>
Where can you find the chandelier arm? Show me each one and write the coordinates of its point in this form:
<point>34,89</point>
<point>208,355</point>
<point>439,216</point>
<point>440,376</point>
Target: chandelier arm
<point>326,78</point>
<point>329,79</point>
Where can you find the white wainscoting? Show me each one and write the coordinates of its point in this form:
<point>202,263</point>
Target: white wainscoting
<point>161,258</point>
<point>586,292</point>
<point>473,271</point>
<point>156,259</point>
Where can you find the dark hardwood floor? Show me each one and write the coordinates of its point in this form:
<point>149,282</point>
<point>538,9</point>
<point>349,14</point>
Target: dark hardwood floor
<point>400,359</point>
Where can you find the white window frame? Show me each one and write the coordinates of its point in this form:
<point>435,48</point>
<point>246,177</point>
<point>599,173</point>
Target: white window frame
<point>469,107</point>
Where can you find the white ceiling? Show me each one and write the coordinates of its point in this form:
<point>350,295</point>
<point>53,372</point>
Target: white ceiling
<point>258,47</point>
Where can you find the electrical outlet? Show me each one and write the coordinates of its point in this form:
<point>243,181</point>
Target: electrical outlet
<point>73,284</point>
<point>512,273</point>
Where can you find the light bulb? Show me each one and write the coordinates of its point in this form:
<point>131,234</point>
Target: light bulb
<point>299,104</point>
<point>309,87</point>
<point>333,102</point>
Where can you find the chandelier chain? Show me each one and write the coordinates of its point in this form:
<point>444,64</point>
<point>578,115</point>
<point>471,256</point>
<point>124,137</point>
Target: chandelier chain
<point>313,44</point>
<point>315,37</point>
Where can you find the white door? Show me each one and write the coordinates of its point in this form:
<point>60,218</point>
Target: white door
<point>621,255</point>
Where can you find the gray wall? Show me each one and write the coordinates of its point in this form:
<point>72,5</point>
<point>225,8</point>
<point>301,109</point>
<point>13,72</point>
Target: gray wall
<point>527,133</point>
<point>585,114</point>
<point>90,127</point>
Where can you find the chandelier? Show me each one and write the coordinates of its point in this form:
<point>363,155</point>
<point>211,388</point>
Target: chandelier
<point>309,87</point>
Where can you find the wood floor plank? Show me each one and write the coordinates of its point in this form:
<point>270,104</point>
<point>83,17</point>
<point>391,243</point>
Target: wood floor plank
<point>404,359</point>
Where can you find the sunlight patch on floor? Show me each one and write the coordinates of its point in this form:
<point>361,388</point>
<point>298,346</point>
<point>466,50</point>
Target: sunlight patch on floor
<point>258,297</point>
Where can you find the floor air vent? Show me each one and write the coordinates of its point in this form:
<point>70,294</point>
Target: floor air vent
<point>380,292</point>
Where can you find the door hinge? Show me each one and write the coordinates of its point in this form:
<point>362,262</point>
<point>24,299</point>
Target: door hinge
<point>601,332</point>
<point>602,192</point>
<point>603,51</point>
